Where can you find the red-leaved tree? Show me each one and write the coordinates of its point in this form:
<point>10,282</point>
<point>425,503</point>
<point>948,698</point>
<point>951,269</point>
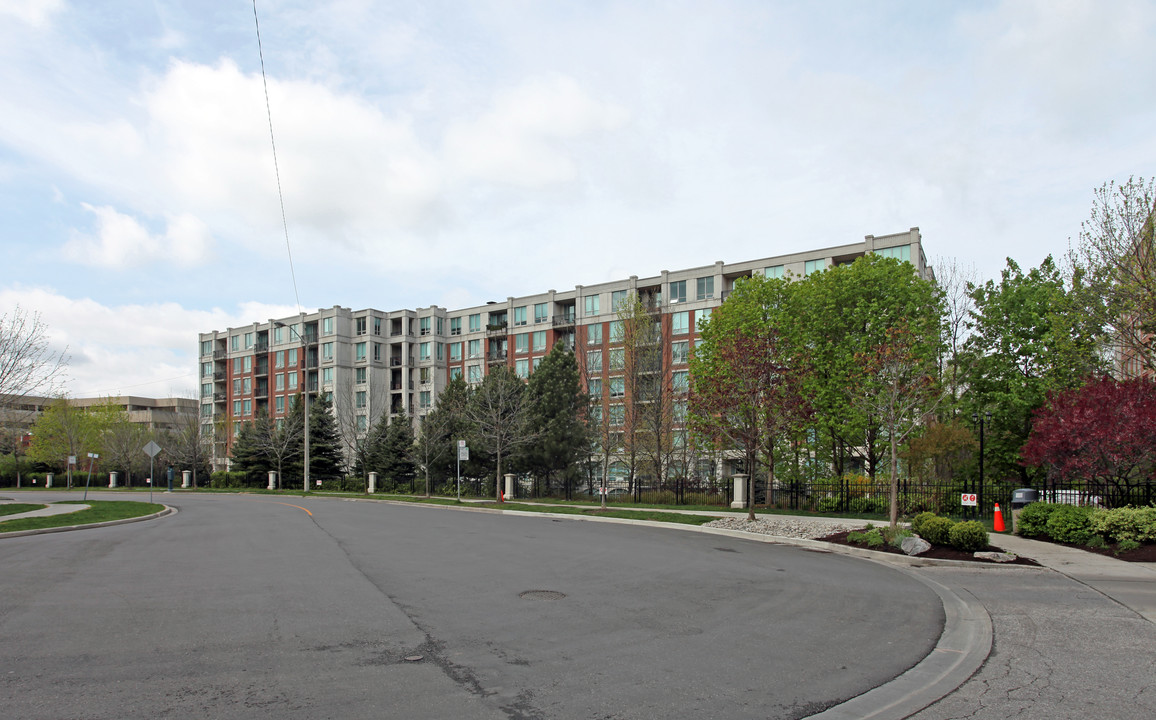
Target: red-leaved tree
<point>1103,433</point>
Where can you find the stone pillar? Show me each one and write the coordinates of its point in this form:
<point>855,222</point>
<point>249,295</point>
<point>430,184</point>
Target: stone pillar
<point>48,480</point>
<point>186,476</point>
<point>509,486</point>
<point>740,500</point>
<point>112,479</point>
<point>372,482</point>
<point>272,479</point>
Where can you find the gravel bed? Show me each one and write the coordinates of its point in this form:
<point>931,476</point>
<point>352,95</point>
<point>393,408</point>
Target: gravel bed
<point>792,527</point>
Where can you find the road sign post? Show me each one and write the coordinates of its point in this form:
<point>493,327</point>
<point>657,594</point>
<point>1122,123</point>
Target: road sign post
<point>463,454</point>
<point>151,450</point>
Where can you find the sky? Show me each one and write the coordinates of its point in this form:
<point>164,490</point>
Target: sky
<point>451,153</point>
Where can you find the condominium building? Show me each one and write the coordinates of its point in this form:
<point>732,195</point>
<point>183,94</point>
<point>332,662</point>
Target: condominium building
<point>372,362</point>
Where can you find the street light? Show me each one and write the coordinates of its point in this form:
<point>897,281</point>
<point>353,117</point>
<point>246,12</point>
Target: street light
<point>304,389</point>
<point>977,418</point>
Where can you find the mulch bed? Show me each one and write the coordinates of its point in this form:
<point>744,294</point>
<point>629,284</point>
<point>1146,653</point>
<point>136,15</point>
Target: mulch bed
<point>937,552</point>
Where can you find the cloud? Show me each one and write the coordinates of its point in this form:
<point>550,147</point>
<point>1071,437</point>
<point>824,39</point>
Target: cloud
<point>121,241</point>
<point>36,13</point>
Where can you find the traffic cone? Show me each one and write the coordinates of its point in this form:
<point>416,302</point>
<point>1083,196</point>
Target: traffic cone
<point>999,527</point>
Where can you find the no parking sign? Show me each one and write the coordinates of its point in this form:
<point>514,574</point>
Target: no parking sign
<point>969,500</point>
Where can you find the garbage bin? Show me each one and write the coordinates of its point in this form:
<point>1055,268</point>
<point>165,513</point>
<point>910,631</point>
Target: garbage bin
<point>1020,498</point>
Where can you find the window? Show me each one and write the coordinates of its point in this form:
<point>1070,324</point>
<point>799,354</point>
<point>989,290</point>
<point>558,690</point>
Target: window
<point>360,398</point>
<point>292,378</point>
<point>540,341</point>
<point>206,389</point>
<point>679,352</point>
<point>536,362</point>
<point>617,331</point>
<point>520,315</point>
<point>703,317</point>
<point>595,386</point>
<point>293,357</point>
<point>594,334</point>
<point>248,363</point>
<point>238,365</point>
<point>423,351</point>
<point>595,413</point>
<point>248,340</point>
<point>207,369</point>
<point>704,288</point>
<point>279,403</point>
<point>279,382</point>
<point>279,359</point>
<point>362,423</point>
<point>522,368</point>
<point>237,386</point>
<point>327,375</point>
<point>455,326</point>
<point>236,407</point>
<point>360,326</point>
<point>425,375</point>
<point>617,358</point>
<point>360,376</point>
<point>424,398</point>
<point>377,352</point>
<point>618,299</point>
<point>522,343</point>
<point>327,350</point>
<point>439,326</point>
<point>900,252</point>
<point>680,323</point>
<point>359,352</point>
<point>591,305</point>
<point>541,313</point>
<point>327,326</point>
<point>440,351</point>
<point>423,326</point>
<point>377,326</point>
<point>617,387</point>
<point>206,347</point>
<point>678,292</point>
<point>679,381</point>
<point>473,374</point>
<point>594,361</point>
<point>775,271</point>
<point>475,349</point>
<point>678,412</point>
<point>617,414</point>
<point>248,407</point>
<point>235,342</point>
<point>455,351</point>
<point>278,335</point>
<point>455,373</point>
<point>814,266</point>
<point>475,322</point>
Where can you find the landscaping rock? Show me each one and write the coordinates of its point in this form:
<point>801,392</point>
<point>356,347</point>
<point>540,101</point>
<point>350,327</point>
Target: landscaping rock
<point>1000,557</point>
<point>914,545</point>
<point>786,526</point>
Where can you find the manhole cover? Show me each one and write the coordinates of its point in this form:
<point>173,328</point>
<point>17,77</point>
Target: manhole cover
<point>541,595</point>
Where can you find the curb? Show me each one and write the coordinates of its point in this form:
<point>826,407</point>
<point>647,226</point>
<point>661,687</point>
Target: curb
<point>66,528</point>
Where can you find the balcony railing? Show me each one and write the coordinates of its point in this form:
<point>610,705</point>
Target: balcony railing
<point>563,320</point>
<point>395,362</point>
<point>496,329</point>
<point>497,356</point>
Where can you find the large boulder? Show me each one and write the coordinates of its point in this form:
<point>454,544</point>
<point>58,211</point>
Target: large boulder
<point>914,545</point>
<point>999,557</point>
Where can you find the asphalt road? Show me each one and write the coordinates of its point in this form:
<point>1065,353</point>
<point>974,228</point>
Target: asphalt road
<point>250,607</point>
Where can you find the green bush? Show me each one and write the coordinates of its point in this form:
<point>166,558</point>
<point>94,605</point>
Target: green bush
<point>1126,523</point>
<point>918,521</point>
<point>1070,524</point>
<point>968,536</point>
<point>871,537</point>
<point>829,505</point>
<point>937,530</point>
<point>1033,520</point>
<point>1125,545</point>
<point>870,506</point>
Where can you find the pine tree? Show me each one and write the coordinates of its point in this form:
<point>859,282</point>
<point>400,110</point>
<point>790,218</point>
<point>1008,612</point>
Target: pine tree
<point>556,404</point>
<point>325,458</point>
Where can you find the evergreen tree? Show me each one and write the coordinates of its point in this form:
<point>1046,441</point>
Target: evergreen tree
<point>556,404</point>
<point>325,457</point>
<point>396,458</point>
<point>248,451</point>
<point>371,450</point>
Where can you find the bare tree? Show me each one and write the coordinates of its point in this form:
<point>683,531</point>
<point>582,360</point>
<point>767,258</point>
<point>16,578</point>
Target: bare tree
<point>433,443</point>
<point>28,363</point>
<point>498,411</point>
<point>190,443</point>
<point>955,281</point>
<point>351,403</point>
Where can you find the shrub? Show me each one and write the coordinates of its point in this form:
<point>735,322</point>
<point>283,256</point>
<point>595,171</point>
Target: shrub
<point>1125,545</point>
<point>829,504</point>
<point>870,506</point>
<point>895,537</point>
<point>1033,520</point>
<point>937,530</point>
<point>918,521</point>
<point>1070,524</point>
<point>1126,523</point>
<point>968,536</point>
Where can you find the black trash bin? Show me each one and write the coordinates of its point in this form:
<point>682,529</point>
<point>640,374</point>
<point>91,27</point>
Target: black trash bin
<point>1020,498</point>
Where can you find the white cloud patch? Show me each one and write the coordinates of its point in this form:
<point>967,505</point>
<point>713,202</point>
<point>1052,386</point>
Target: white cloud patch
<point>120,241</point>
<point>36,13</point>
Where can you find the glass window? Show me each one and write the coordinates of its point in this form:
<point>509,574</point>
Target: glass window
<point>618,299</point>
<point>327,375</point>
<point>423,325</point>
<point>327,350</point>
<point>440,351</point>
<point>361,326</point>
<point>475,322</point>
<point>359,351</point>
<point>455,373</point>
<point>236,407</point>
<point>327,326</point>
<point>377,352</point>
<point>704,316</point>
<point>279,359</point>
<point>594,361</point>
<point>678,291</point>
<point>704,288</point>
<point>377,326</point>
<point>423,351</point>
<point>237,386</point>
<point>360,398</point>
<point>595,386</point>
<point>206,347</point>
<point>279,403</point>
<point>439,326</point>
<point>591,305</point>
<point>425,374</point>
<point>617,331</point>
<point>539,341</point>
<point>520,315</point>
<point>279,382</point>
<point>522,368</point>
<point>541,313</point>
<point>775,271</point>
<point>361,375</point>
<point>362,423</point>
<point>475,349</point>
<point>292,378</point>
<point>900,252</point>
<point>278,335</point>
<point>248,407</point>
<point>455,351</point>
<point>473,374</point>
<point>537,361</point>
<point>293,357</point>
<point>814,266</point>
<point>522,343</point>
<point>617,414</point>
<point>455,326</point>
<point>679,381</point>
<point>595,414</point>
<point>594,334</point>
<point>424,398</point>
<point>235,342</point>
<point>679,352</point>
<point>248,340</point>
<point>207,369</point>
<point>238,365</point>
<point>617,358</point>
<point>680,323</point>
<point>248,363</point>
<point>617,387</point>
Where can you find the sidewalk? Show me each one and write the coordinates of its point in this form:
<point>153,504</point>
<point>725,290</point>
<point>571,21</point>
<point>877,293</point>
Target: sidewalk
<point>44,512</point>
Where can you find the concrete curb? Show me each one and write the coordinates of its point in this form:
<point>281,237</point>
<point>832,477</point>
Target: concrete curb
<point>42,531</point>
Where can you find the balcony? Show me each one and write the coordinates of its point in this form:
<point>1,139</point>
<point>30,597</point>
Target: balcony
<point>220,354</point>
<point>496,356</point>
<point>563,321</point>
<point>496,329</point>
<point>261,346</point>
<point>395,362</point>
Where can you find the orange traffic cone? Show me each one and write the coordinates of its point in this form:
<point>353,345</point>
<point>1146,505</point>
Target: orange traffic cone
<point>999,527</point>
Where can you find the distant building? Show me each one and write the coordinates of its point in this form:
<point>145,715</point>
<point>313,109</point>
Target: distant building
<point>154,413</point>
<point>372,362</point>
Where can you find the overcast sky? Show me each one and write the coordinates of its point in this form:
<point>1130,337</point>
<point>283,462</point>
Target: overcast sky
<point>451,153</point>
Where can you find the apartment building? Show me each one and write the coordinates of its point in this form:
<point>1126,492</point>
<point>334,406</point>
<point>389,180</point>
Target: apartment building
<point>372,362</point>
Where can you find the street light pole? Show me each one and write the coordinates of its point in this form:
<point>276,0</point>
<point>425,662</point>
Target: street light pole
<point>977,418</point>
<point>304,389</point>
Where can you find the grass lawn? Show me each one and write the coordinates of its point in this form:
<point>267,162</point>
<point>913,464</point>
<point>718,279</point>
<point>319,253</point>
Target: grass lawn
<point>101,511</point>
<point>17,508</point>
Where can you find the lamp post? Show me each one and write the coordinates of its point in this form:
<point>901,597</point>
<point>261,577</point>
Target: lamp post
<point>977,418</point>
<point>304,389</point>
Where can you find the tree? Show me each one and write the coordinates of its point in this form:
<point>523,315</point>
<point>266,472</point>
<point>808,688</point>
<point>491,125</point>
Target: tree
<point>62,431</point>
<point>1103,433</point>
<point>249,449</point>
<point>499,411</point>
<point>433,443</point>
<point>956,282</point>
<point>1116,261</point>
<point>648,410</point>
<point>191,445</point>
<point>557,403</point>
<point>325,457</point>
<point>1029,337</point>
<point>122,440</point>
<point>395,459</point>
<point>28,363</point>
<point>283,439</point>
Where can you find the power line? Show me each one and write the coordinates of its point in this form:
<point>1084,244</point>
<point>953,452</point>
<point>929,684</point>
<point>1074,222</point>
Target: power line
<point>276,167</point>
